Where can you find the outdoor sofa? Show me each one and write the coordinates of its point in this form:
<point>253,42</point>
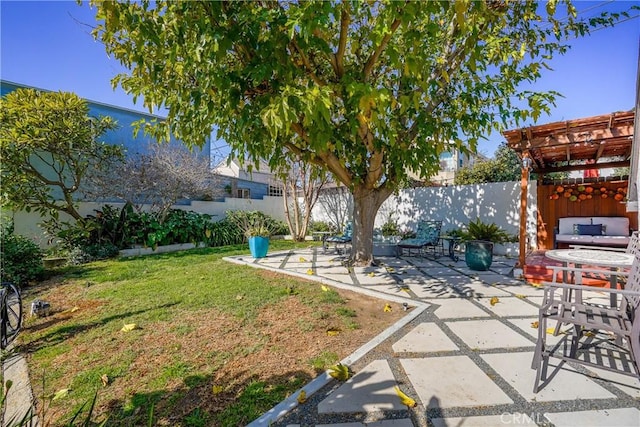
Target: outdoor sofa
<point>593,231</point>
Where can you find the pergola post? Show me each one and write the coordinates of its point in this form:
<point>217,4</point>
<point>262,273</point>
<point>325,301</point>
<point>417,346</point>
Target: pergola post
<point>524,191</point>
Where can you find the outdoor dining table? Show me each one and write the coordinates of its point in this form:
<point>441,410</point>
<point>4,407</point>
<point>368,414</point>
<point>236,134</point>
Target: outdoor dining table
<point>593,257</point>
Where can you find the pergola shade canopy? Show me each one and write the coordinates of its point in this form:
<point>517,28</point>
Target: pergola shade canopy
<point>590,143</point>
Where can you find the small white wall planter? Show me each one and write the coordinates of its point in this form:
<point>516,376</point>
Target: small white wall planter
<point>160,249</point>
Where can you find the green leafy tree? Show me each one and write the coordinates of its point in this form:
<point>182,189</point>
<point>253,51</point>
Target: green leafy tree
<point>368,90</point>
<point>505,166</point>
<point>48,142</point>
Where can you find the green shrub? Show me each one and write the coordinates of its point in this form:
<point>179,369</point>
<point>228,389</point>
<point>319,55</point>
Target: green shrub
<point>478,230</point>
<point>390,228</point>
<point>274,226</point>
<point>321,226</point>
<point>21,258</point>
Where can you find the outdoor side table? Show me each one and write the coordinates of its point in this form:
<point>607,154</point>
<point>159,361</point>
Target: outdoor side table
<point>579,257</point>
<point>453,243</point>
<point>322,236</point>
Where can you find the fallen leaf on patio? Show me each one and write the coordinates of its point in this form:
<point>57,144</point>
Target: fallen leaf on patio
<point>324,288</point>
<point>387,308</point>
<point>310,272</point>
<point>239,297</point>
<point>302,397</point>
<point>332,332</point>
<point>371,274</point>
<point>405,289</point>
<point>303,259</point>
<point>406,400</point>
<point>589,334</point>
<point>217,389</point>
<point>494,300</point>
<point>64,392</point>
<point>105,380</point>
<point>521,296</point>
<point>129,327</point>
<point>339,372</point>
<point>536,285</point>
<point>534,325</point>
<point>552,330</point>
<point>390,269</point>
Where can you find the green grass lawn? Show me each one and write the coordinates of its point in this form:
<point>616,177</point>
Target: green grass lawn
<point>214,343</point>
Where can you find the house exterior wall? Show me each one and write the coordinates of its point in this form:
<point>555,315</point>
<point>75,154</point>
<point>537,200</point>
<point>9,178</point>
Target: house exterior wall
<point>124,134</point>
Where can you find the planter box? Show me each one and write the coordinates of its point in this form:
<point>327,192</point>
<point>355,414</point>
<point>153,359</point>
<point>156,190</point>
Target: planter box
<point>160,249</point>
<point>54,262</point>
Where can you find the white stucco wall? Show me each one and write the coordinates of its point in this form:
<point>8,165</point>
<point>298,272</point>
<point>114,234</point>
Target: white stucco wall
<point>456,205</point>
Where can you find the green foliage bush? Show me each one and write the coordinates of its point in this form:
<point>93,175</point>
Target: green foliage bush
<point>390,228</point>
<point>264,221</point>
<point>321,226</point>
<point>102,235</point>
<point>478,230</point>
<point>21,258</point>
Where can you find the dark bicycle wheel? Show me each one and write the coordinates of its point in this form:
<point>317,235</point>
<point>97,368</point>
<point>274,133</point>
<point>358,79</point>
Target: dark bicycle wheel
<point>10,313</point>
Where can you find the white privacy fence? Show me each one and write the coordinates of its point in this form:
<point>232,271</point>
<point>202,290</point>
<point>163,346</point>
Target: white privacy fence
<point>456,205</point>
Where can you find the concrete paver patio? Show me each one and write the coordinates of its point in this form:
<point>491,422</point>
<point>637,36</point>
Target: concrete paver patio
<point>464,358</point>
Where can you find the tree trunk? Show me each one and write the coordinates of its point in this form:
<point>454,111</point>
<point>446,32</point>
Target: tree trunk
<point>365,207</point>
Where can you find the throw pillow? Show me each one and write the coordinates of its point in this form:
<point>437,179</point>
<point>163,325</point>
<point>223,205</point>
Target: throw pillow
<point>590,229</point>
<point>575,229</point>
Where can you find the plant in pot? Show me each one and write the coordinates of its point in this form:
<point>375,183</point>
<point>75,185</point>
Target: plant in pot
<point>479,238</point>
<point>257,228</point>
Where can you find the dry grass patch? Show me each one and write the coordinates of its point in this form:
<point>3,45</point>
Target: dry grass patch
<point>214,344</point>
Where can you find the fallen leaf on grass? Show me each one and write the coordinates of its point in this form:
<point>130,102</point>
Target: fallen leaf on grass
<point>406,400</point>
<point>332,332</point>
<point>217,389</point>
<point>239,297</point>
<point>63,392</point>
<point>105,380</point>
<point>387,308</point>
<point>129,327</point>
<point>324,288</point>
<point>494,300</point>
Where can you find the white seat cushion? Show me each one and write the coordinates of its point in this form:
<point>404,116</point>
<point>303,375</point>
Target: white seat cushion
<point>613,226</point>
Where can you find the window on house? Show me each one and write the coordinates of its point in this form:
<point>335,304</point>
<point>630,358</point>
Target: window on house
<point>275,190</point>
<point>244,193</point>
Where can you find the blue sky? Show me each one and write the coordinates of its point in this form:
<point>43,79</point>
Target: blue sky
<point>47,44</point>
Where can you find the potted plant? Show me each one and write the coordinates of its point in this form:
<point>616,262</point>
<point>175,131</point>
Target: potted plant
<point>257,228</point>
<point>479,239</point>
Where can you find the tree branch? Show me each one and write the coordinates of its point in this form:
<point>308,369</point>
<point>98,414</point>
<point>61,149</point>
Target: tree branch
<point>345,19</point>
<point>368,67</point>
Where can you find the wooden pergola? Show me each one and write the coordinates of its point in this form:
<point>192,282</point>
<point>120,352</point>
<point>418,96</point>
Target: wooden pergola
<point>596,142</point>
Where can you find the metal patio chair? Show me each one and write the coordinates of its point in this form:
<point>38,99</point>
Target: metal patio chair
<point>341,239</point>
<point>602,336</point>
<point>427,239</point>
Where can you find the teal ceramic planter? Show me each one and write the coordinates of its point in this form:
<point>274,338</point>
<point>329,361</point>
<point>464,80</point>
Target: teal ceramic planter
<point>478,254</point>
<point>258,246</point>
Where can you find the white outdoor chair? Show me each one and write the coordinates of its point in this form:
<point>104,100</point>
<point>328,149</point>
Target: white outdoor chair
<point>602,336</point>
